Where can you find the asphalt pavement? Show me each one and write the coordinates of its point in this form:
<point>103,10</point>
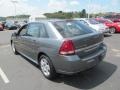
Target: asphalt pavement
<point>24,75</point>
<point>5,36</point>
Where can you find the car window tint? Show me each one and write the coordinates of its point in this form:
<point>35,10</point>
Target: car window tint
<point>33,30</point>
<point>101,21</point>
<point>71,28</point>
<point>23,31</point>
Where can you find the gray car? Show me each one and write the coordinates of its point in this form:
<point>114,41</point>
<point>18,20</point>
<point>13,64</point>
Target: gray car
<point>59,46</point>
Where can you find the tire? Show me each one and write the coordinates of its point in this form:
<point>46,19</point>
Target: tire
<point>14,49</point>
<point>112,30</point>
<point>46,67</point>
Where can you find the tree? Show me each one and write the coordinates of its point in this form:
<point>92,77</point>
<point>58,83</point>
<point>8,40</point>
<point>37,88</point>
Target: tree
<point>83,13</point>
<point>69,15</point>
<point>60,11</point>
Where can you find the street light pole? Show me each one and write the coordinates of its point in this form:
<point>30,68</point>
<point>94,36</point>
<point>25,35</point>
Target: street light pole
<point>89,8</point>
<point>14,3</point>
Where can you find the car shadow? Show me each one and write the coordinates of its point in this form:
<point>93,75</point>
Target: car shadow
<point>107,35</point>
<point>117,33</point>
<point>90,78</point>
<point>34,64</point>
<point>87,79</point>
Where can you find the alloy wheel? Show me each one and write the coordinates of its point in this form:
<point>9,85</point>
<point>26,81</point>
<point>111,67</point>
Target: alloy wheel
<point>45,67</point>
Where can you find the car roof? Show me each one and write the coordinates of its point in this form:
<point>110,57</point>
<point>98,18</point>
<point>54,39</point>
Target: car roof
<point>51,20</point>
<point>80,18</point>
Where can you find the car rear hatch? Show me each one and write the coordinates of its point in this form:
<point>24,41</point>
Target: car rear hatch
<point>77,36</point>
<point>87,44</point>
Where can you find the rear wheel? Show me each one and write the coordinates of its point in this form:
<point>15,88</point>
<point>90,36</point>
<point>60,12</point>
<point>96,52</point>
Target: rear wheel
<point>13,48</point>
<point>112,30</point>
<point>46,67</point>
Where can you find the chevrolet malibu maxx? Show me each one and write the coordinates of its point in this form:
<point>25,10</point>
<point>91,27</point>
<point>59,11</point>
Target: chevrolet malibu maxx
<point>59,46</point>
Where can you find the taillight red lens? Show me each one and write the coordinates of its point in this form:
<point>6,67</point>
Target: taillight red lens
<point>67,48</point>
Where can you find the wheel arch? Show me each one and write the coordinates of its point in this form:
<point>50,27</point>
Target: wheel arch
<point>43,53</point>
<point>112,27</point>
<point>40,54</point>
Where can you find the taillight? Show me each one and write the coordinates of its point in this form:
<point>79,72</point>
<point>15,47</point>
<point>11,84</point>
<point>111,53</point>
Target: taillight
<point>67,48</point>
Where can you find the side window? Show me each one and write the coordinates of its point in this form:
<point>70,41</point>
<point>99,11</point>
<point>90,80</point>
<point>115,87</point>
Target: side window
<point>23,31</point>
<point>43,32</point>
<point>33,30</point>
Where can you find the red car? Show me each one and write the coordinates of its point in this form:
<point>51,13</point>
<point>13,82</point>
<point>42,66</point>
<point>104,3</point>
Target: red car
<point>114,18</point>
<point>113,26</point>
<point>1,27</point>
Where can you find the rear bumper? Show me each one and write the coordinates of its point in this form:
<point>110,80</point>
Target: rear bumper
<point>74,64</point>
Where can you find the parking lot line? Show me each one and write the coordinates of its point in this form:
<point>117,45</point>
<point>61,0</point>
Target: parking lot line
<point>115,50</point>
<point>4,77</point>
<point>4,46</point>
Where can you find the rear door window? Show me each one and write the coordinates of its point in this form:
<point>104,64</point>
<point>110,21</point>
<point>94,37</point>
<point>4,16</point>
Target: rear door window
<point>37,30</point>
<point>43,32</point>
<point>33,30</point>
<point>23,31</point>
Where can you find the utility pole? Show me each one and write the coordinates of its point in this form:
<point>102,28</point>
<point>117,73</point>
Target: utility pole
<point>14,3</point>
<point>89,1</point>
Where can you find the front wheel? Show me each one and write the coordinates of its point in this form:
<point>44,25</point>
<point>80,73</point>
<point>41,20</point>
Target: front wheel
<point>112,30</point>
<point>46,67</point>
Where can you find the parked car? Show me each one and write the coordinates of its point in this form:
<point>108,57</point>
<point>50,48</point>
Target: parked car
<point>114,18</point>
<point>3,24</point>
<point>59,46</point>
<point>1,27</point>
<point>94,24</point>
<point>10,25</point>
<point>114,27</point>
<point>20,24</point>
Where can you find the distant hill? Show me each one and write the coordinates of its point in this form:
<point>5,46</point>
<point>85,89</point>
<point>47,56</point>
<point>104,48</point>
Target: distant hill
<point>19,16</point>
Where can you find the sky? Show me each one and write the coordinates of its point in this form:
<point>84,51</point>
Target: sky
<point>35,7</point>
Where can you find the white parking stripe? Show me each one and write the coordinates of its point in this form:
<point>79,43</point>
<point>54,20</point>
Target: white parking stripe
<point>4,77</point>
<point>118,55</point>
<point>4,46</point>
<point>115,50</point>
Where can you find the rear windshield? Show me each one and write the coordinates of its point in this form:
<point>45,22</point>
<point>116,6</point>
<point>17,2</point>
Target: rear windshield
<point>71,28</point>
<point>93,21</point>
<point>101,21</point>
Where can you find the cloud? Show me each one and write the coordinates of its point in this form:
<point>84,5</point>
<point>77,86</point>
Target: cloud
<point>24,8</point>
<point>57,4</point>
<point>31,7</point>
<point>63,5</point>
<point>74,2</point>
<point>7,8</point>
<point>115,2</point>
<point>96,8</point>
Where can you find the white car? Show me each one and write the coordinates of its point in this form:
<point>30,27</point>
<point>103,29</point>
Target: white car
<point>94,24</point>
